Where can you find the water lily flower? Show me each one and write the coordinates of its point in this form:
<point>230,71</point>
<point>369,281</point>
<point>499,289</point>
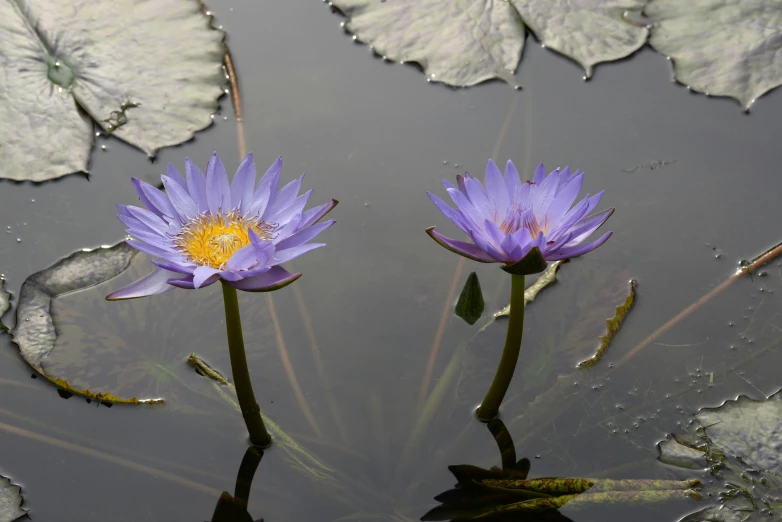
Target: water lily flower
<point>507,218</point>
<point>522,225</point>
<point>203,229</point>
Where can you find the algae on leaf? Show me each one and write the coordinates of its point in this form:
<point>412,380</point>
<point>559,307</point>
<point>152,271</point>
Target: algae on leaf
<point>148,71</point>
<point>10,501</point>
<point>721,47</point>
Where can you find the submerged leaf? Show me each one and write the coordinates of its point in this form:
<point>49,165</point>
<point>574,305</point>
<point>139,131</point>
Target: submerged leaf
<point>739,443</point>
<point>460,42</point>
<point>612,327</point>
<point>5,303</point>
<point>149,72</point>
<point>531,292</point>
<point>721,47</point>
<point>588,31</point>
<point>10,501</point>
<point>470,304</point>
<point>129,351</point>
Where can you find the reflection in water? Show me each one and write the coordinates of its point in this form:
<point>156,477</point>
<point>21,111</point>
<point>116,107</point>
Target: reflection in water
<point>233,508</point>
<point>507,493</point>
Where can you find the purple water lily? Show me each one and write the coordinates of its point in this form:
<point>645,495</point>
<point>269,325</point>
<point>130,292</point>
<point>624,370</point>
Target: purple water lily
<point>203,229</point>
<point>508,217</point>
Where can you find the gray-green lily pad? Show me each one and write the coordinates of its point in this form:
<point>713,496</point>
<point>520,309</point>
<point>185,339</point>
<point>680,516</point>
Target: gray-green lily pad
<point>721,47</point>
<point>466,42</point>
<point>131,351</point>
<point>740,444</point>
<point>5,303</point>
<point>460,42</point>
<point>588,31</point>
<point>10,501</point>
<point>148,73</point>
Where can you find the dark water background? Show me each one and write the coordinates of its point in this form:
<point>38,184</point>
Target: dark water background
<point>376,136</point>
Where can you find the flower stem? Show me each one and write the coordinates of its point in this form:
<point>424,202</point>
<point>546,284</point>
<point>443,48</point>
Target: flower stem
<point>244,388</point>
<point>490,406</point>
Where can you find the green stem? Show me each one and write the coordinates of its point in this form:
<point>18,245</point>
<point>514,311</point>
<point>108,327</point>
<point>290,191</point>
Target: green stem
<point>244,388</point>
<point>490,406</point>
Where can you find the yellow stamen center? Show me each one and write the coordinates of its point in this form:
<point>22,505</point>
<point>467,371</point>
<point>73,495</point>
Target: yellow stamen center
<point>211,240</point>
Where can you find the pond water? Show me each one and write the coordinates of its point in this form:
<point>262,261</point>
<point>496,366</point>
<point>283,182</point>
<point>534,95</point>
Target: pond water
<point>695,184</point>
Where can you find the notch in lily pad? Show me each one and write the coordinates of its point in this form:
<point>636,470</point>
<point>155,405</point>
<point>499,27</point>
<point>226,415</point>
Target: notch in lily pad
<point>470,304</point>
<point>532,263</point>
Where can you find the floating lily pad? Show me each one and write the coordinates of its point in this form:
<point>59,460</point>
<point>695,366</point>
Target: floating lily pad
<point>740,444</point>
<point>588,31</point>
<point>148,72</point>
<point>128,351</point>
<point>460,43</point>
<point>10,501</point>
<point>721,47</point>
<point>466,42</point>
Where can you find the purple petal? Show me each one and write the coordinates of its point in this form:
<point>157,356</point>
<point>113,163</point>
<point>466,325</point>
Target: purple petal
<point>467,250</point>
<point>454,215</point>
<point>496,188</point>
<point>154,199</point>
<point>185,206</point>
<point>218,191</point>
<point>294,207</point>
<point>284,198</point>
<point>287,229</point>
<point>243,183</point>
<point>304,235</point>
<point>242,259</point>
<point>196,185</point>
<point>178,268</point>
<point>493,232</point>
<point>153,221</point>
<point>283,256</point>
<point>512,180</point>
<point>469,213</point>
<point>483,242</point>
<point>578,250</point>
<point>544,196</point>
<point>273,279</point>
<point>182,282</point>
<point>563,200</point>
<point>134,224</point>
<point>154,251</point>
<point>315,214</point>
<point>478,198</point>
<point>205,276</point>
<point>460,182</point>
<point>540,174</point>
<point>265,192</point>
<point>584,228</point>
<point>174,174</point>
<point>153,238</point>
<point>152,283</point>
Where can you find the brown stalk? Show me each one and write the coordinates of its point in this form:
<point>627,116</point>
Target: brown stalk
<point>761,260</point>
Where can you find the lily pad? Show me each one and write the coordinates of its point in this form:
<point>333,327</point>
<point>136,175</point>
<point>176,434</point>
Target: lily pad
<point>466,42</point>
<point>460,43</point>
<point>740,444</point>
<point>588,31</point>
<point>148,72</point>
<point>10,501</point>
<point>721,47</point>
<point>130,351</point>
